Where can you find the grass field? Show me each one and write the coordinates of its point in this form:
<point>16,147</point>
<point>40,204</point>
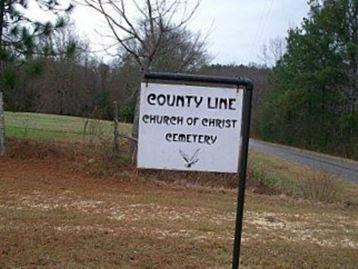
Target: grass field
<point>54,127</point>
<point>56,213</point>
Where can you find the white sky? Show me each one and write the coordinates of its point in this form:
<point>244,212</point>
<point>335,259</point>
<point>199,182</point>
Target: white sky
<point>238,28</point>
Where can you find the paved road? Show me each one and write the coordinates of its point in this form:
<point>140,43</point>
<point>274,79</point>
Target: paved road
<point>345,168</point>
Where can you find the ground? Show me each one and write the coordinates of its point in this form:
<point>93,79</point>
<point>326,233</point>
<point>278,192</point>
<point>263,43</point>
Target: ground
<point>57,214</point>
<point>53,217</point>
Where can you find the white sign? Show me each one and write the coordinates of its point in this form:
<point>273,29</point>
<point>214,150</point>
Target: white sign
<point>191,128</point>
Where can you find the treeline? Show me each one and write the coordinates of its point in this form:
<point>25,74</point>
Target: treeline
<point>73,81</point>
<point>313,97</point>
<point>80,85</point>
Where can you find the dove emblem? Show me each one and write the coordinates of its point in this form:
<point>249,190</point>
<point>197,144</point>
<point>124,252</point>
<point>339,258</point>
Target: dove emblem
<point>190,161</point>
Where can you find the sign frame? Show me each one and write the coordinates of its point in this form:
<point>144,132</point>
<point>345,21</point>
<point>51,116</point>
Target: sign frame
<point>237,83</point>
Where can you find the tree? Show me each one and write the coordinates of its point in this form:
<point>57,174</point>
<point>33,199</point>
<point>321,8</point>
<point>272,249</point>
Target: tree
<point>63,85</point>
<point>142,37</point>
<point>179,51</point>
<point>313,100</point>
<point>22,37</point>
<point>273,51</point>
<point>18,31</point>
<point>19,34</point>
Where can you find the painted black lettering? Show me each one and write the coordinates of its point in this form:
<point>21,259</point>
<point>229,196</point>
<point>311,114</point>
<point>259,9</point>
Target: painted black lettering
<point>182,138</point>
<point>145,118</point>
<point>161,99</point>
<point>198,101</point>
<point>165,120</point>
<point>232,102</point>
<point>212,122</point>
<point>210,106</point>
<point>151,99</point>
<point>180,101</point>
<point>231,123</point>
<point>152,119</point>
<point>223,103</point>
<point>168,137</point>
<point>180,121</point>
<point>189,98</point>
<point>170,100</point>
<point>213,139</point>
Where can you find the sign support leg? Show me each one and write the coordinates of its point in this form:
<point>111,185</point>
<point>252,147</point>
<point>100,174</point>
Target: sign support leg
<point>242,174</point>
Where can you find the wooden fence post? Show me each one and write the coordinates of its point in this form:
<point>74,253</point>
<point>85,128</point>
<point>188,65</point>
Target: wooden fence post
<point>2,126</point>
<point>116,126</point>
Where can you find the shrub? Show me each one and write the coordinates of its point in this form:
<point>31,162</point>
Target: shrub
<point>317,185</point>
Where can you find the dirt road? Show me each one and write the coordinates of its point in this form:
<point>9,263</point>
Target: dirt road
<point>347,169</point>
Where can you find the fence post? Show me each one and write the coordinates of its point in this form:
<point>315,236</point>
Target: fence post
<point>116,126</point>
<point>2,126</point>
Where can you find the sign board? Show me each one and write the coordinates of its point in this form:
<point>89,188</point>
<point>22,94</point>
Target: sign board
<point>190,128</point>
<point>197,128</point>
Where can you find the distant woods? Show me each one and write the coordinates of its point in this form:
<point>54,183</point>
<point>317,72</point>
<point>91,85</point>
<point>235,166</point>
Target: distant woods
<point>79,84</point>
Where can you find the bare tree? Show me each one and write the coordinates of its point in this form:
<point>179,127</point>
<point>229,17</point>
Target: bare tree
<point>142,35</point>
<point>180,51</point>
<point>273,51</point>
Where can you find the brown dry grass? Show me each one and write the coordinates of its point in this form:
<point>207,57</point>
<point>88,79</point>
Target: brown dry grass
<point>56,215</point>
<point>320,186</point>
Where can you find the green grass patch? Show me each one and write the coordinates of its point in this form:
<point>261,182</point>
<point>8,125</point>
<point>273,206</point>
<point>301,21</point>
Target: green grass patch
<point>55,127</point>
<point>274,173</point>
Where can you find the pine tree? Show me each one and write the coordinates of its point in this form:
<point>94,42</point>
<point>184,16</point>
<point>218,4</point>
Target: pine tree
<point>313,100</point>
<point>19,40</point>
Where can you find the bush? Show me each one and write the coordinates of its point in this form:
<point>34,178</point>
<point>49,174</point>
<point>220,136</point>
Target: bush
<point>317,185</point>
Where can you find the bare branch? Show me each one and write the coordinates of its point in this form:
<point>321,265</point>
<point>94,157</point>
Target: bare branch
<point>120,40</point>
<point>141,37</point>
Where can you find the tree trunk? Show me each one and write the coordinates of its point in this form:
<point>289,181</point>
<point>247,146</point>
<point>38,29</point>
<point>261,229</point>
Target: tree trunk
<point>135,128</point>
<point>2,126</point>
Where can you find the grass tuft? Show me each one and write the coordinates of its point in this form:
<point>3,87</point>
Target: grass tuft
<point>317,185</point>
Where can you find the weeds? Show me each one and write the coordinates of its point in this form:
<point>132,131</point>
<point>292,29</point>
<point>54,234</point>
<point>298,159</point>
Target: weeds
<point>310,184</point>
<point>317,185</point>
<point>264,182</point>
<point>105,159</point>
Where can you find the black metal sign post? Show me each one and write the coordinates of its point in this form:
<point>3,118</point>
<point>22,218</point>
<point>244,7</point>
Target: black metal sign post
<point>245,132</point>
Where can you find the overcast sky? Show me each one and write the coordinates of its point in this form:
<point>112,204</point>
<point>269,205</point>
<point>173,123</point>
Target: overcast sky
<point>237,28</point>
